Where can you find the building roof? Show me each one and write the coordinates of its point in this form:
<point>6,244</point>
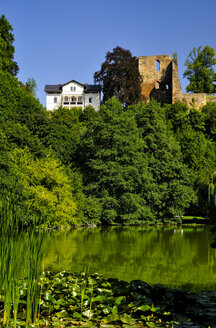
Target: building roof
<point>72,81</point>
<point>92,88</point>
<point>58,87</point>
<point>53,88</point>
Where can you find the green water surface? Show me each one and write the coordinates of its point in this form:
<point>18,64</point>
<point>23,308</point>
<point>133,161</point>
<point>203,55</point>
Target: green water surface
<point>173,256</point>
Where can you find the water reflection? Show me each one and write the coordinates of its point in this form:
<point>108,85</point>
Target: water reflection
<point>170,256</point>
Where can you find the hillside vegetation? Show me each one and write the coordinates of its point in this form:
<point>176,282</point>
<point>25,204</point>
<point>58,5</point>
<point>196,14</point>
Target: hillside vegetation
<point>121,165</point>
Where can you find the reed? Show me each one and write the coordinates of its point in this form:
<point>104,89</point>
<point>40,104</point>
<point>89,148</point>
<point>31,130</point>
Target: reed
<point>21,254</point>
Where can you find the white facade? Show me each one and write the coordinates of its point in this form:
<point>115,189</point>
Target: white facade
<point>72,94</point>
<point>51,103</point>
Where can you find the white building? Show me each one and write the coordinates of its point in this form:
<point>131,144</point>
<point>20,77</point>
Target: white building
<point>72,94</point>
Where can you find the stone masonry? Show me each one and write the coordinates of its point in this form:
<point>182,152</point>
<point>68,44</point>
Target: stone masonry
<point>160,81</point>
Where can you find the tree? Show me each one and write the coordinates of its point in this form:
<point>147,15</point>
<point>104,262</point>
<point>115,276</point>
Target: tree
<point>45,188</point>
<point>114,166</point>
<point>212,199</point>
<point>6,47</point>
<point>31,86</point>
<point>119,76</point>
<point>200,72</point>
<point>172,181</point>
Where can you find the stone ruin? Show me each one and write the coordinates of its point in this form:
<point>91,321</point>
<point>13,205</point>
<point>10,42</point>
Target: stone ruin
<point>160,81</point>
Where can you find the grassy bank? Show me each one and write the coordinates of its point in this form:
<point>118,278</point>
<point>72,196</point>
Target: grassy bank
<point>195,220</point>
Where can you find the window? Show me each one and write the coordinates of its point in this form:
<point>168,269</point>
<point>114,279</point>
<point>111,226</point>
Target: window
<point>73,99</point>
<point>157,85</point>
<point>55,100</point>
<point>90,100</point>
<point>167,86</point>
<point>66,99</point>
<point>79,100</point>
<point>157,65</point>
<point>73,88</point>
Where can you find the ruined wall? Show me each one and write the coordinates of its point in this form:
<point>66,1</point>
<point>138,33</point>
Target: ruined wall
<point>160,81</point>
<point>211,98</point>
<point>195,100</point>
<point>176,86</point>
<point>156,72</point>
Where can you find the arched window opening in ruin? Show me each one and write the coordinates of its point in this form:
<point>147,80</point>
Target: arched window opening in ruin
<point>157,85</point>
<point>157,65</point>
<point>167,86</point>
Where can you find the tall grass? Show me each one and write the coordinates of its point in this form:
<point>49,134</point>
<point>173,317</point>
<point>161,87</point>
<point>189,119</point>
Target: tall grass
<point>20,260</point>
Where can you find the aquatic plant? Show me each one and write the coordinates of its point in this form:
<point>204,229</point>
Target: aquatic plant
<point>20,260</point>
<point>113,303</point>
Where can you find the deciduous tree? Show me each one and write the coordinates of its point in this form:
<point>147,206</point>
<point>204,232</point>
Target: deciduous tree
<point>119,76</point>
<point>200,70</point>
<point>6,47</point>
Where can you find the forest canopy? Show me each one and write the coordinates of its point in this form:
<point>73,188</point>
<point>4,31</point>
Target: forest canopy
<point>128,163</point>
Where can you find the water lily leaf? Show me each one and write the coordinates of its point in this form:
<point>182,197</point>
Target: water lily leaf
<point>111,318</point>
<point>155,309</point>
<point>114,309</point>
<point>125,318</point>
<point>143,308</point>
<point>77,315</point>
<point>107,310</point>
<point>143,317</point>
<point>61,302</point>
<point>88,313</point>
<point>119,299</point>
<point>137,295</point>
<point>99,298</point>
<point>150,324</point>
<point>71,301</point>
<point>61,314</point>
<point>148,301</point>
<point>48,297</point>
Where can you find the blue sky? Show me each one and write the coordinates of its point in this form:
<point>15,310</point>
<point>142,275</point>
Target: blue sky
<point>57,41</point>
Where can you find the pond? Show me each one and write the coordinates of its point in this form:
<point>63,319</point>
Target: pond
<point>172,256</point>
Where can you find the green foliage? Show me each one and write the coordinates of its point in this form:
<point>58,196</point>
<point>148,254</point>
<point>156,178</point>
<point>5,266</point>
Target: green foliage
<point>63,132</point>
<point>20,258</point>
<point>132,163</point>
<point>200,71</point>
<point>46,188</point>
<point>124,165</point>
<point>212,199</point>
<point>31,86</point>
<point>210,119</point>
<point>6,47</point>
<point>198,150</point>
<point>112,156</point>
<point>172,185</point>
<point>119,76</point>
<point>174,56</point>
